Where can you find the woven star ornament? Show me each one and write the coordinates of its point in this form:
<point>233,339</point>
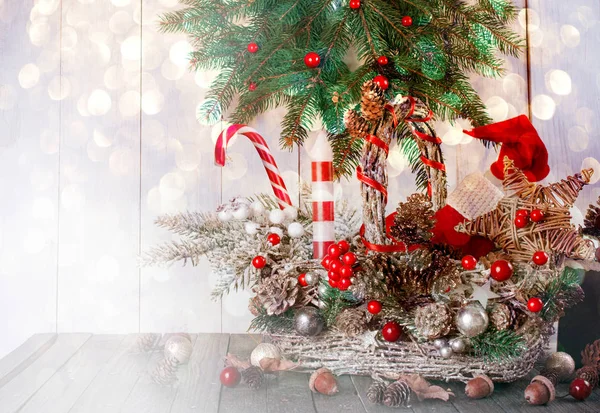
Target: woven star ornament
<point>555,234</point>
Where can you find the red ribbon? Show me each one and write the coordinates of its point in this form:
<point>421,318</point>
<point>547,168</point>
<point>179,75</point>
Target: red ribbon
<point>371,182</point>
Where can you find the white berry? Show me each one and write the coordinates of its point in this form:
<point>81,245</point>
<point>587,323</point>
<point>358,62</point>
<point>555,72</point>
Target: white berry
<point>257,208</point>
<point>276,230</point>
<point>225,216</point>
<point>276,216</point>
<point>242,213</point>
<point>251,228</point>
<point>295,230</point>
<point>291,213</point>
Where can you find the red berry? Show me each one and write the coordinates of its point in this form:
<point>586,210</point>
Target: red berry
<point>302,280</point>
<point>521,222</point>
<point>274,239</point>
<point>354,4</point>
<point>382,81</point>
<point>312,60</point>
<point>535,304</point>
<point>252,87</point>
<point>540,258</point>
<point>469,262</point>
<point>374,307</point>
<point>537,215</point>
<point>343,246</point>
<point>344,284</point>
<point>333,283</point>
<point>335,276</point>
<point>335,265</point>
<point>230,377</point>
<point>349,258</point>
<point>334,251</point>
<point>326,261</point>
<point>580,389</point>
<point>407,21</point>
<point>252,47</point>
<point>522,213</point>
<point>501,270</point>
<point>346,271</point>
<point>382,60</point>
<point>259,262</point>
<point>391,331</point>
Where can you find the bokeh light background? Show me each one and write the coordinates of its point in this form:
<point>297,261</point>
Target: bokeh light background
<point>98,135</point>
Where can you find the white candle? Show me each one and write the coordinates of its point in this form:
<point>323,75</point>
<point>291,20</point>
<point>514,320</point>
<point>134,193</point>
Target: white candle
<point>322,196</point>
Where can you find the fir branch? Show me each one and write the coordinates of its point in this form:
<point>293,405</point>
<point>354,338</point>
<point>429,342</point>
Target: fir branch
<point>266,323</point>
<point>562,292</point>
<point>334,301</point>
<point>494,345</point>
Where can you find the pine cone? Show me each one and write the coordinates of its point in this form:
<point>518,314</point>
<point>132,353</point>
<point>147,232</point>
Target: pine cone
<point>397,394</point>
<point>433,320</point>
<point>352,322</point>
<point>376,391</point>
<point>357,126</point>
<point>147,342</point>
<point>589,373</point>
<point>591,224</point>
<point>277,293</point>
<point>372,101</point>
<point>165,372</point>
<point>414,220</point>
<point>502,316</point>
<point>254,377</point>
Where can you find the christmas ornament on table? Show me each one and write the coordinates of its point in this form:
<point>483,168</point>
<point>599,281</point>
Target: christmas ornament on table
<point>397,394</point>
<point>253,377</point>
<point>264,350</point>
<point>479,387</point>
<point>586,378</point>
<point>324,382</point>
<point>542,389</point>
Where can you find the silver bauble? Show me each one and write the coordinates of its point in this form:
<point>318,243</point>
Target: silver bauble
<point>458,345</point>
<point>440,342</point>
<point>562,363</point>
<point>308,321</point>
<point>311,278</point>
<point>446,352</point>
<point>322,289</point>
<point>263,350</point>
<point>178,347</point>
<point>472,320</point>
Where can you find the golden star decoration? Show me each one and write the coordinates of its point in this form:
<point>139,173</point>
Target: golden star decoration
<point>554,234</point>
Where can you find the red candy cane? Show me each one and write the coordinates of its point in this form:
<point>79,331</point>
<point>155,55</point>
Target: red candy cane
<point>279,189</point>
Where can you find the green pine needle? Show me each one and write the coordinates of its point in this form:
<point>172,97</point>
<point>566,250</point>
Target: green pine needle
<point>497,345</point>
<point>266,323</point>
<point>334,302</point>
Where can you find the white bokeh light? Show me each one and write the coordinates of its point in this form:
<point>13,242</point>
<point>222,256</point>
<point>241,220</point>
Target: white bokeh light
<point>559,82</point>
<point>543,107</point>
<point>578,139</point>
<point>570,35</point>
<point>131,48</point>
<point>120,22</point>
<point>29,76</point>
<point>171,71</point>
<point>129,103</point>
<point>497,108</point>
<point>172,186</point>
<point>59,88</point>
<point>152,102</point>
<point>179,53</point>
<point>120,3</point>
<point>122,162</point>
<point>593,164</point>
<point>99,102</point>
<point>101,139</point>
<point>187,157</point>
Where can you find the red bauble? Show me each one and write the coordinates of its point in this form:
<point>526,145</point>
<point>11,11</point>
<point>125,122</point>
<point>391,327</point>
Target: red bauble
<point>522,213</point>
<point>326,261</point>
<point>540,258</point>
<point>521,222</point>
<point>333,283</point>
<point>302,280</point>
<point>354,4</point>
<point>312,60</point>
<point>259,262</point>
<point>274,239</point>
<point>349,258</point>
<point>535,304</point>
<point>374,307</point>
<point>333,275</point>
<point>344,246</point>
<point>381,81</point>
<point>335,265</point>
<point>230,377</point>
<point>391,331</point>
<point>252,47</point>
<point>407,21</point>
<point>469,262</point>
<point>537,215</point>
<point>501,270</point>
<point>382,60</point>
<point>580,389</point>
<point>334,251</point>
<point>252,87</point>
<point>346,271</point>
<point>344,284</point>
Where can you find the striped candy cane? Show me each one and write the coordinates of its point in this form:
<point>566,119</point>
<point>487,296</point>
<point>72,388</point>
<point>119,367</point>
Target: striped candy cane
<point>279,189</point>
<point>322,196</point>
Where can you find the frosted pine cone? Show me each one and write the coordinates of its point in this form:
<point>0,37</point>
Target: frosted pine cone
<point>397,394</point>
<point>147,342</point>
<point>376,391</point>
<point>502,317</point>
<point>352,322</point>
<point>277,293</point>
<point>372,101</point>
<point>413,221</point>
<point>254,377</point>
<point>357,125</point>
<point>165,372</point>
<point>433,320</point>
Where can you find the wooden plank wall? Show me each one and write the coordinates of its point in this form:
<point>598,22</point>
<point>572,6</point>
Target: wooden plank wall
<point>98,136</point>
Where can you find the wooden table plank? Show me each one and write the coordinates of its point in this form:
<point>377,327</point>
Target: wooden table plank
<point>242,398</point>
<point>289,393</point>
<point>362,384</point>
<point>110,388</point>
<point>63,389</point>
<point>347,400</point>
<point>22,357</point>
<point>202,389</point>
<point>20,389</point>
<point>150,397</point>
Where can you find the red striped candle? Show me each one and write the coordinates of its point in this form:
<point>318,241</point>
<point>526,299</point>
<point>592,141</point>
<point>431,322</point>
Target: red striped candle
<point>322,196</point>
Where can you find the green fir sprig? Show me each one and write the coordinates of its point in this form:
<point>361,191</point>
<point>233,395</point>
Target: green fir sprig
<point>266,323</point>
<point>334,302</point>
<point>562,292</point>
<point>497,345</point>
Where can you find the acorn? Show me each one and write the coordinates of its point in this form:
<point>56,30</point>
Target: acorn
<point>540,391</point>
<point>479,387</point>
<point>324,382</point>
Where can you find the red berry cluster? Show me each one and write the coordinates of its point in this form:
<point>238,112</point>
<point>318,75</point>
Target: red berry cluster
<point>522,217</point>
<point>338,262</point>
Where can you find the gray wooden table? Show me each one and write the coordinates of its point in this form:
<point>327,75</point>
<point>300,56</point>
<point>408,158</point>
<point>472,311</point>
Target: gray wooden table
<point>84,373</point>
